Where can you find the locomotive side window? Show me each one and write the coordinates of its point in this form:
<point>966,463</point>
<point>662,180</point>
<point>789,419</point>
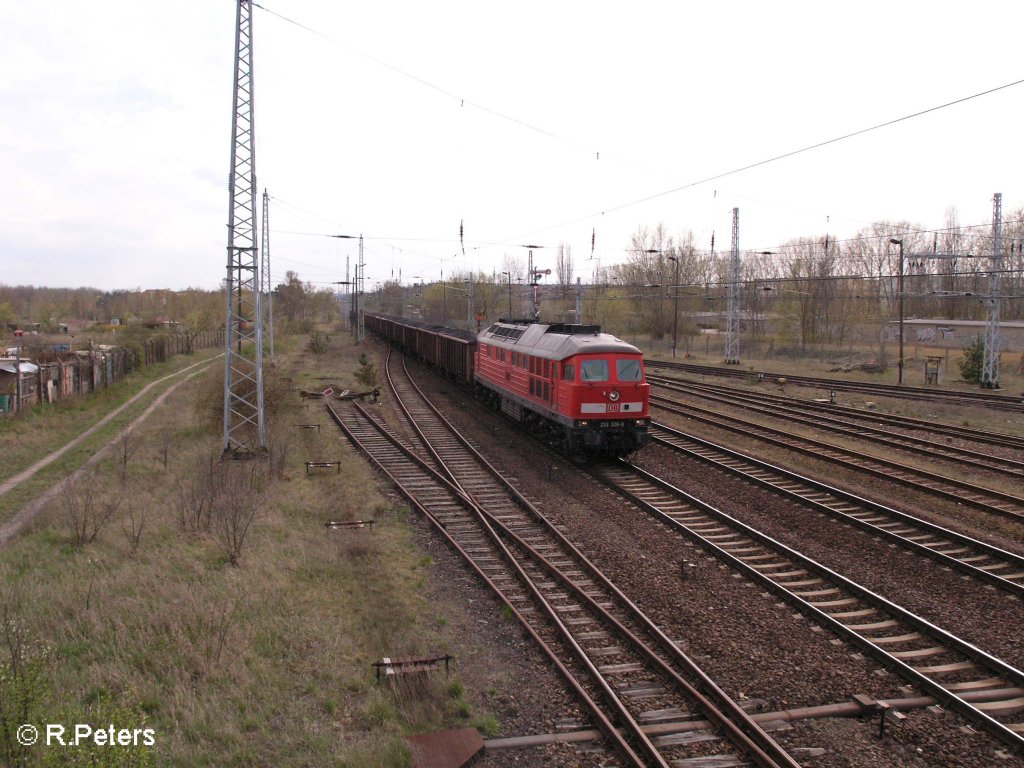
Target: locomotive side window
<point>594,370</point>
<point>628,370</point>
<point>569,372</point>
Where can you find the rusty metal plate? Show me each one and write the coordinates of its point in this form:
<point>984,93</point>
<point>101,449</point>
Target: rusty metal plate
<point>445,749</point>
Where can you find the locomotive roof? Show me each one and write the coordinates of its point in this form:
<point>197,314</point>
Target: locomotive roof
<point>555,341</point>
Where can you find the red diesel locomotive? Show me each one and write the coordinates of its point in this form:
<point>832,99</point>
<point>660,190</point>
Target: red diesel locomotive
<point>579,389</point>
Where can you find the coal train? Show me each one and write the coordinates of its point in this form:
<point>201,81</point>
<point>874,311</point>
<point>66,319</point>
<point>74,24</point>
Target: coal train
<point>580,390</point>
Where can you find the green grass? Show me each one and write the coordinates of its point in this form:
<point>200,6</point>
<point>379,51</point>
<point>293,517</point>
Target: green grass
<point>48,427</point>
<point>267,662</point>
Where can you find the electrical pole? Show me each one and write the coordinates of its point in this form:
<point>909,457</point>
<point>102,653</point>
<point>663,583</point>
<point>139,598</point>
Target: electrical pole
<point>899,301</point>
<point>243,377</point>
<point>990,366</point>
<point>732,320</point>
<point>579,299</point>
<point>360,277</point>
<point>265,272</point>
<point>675,305</point>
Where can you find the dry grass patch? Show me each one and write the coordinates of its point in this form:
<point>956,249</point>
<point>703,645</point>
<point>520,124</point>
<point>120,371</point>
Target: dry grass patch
<point>247,651</point>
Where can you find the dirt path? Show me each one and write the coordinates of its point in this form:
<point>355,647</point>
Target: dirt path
<point>24,475</point>
<point>26,514</point>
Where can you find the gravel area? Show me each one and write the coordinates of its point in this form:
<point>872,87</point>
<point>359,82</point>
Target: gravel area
<point>753,646</point>
<point>984,616</point>
<point>984,526</point>
<point>930,462</point>
<point>504,672</point>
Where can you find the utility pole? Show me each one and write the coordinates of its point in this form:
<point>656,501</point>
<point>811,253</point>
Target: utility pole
<point>579,298</point>
<point>899,301</point>
<point>990,366</point>
<point>732,320</point>
<point>675,305</point>
<point>265,272</point>
<point>360,277</point>
<point>243,378</point>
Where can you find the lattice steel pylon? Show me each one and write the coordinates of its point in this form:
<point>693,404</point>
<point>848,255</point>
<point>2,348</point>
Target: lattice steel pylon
<point>732,318</point>
<point>265,281</point>
<point>990,365</point>
<point>243,338</point>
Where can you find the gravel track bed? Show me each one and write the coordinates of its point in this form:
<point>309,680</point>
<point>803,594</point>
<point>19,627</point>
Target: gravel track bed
<point>948,417</point>
<point>982,615</point>
<point>995,530</point>
<point>945,465</point>
<point>504,672</point>
<point>753,647</point>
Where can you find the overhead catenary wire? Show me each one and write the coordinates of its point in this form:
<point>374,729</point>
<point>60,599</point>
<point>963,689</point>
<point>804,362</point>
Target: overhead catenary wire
<point>532,126</point>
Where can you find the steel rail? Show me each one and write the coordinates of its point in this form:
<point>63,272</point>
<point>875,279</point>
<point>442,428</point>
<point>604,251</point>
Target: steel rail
<point>946,546</point>
<point>999,503</point>
<point>414,497</point>
<point>761,557</point>
<point>1003,402</point>
<point>743,729</point>
<point>988,437</point>
<point>929,448</point>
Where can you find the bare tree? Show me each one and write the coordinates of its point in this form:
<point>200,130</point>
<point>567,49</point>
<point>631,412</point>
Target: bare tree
<point>564,268</point>
<point>196,497</point>
<point>235,508</point>
<point>134,523</point>
<point>85,513</point>
<point>124,450</point>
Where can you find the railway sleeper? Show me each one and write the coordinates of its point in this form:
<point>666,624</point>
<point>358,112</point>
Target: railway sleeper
<point>976,685</point>
<point>1004,707</point>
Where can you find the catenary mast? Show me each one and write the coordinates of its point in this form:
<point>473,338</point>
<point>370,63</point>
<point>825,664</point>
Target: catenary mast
<point>265,282</point>
<point>732,317</point>
<point>990,362</point>
<point>243,352</point>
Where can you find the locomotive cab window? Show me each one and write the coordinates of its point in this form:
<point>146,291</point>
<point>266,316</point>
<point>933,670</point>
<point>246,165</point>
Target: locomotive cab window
<point>628,370</point>
<point>569,372</point>
<point>594,370</point>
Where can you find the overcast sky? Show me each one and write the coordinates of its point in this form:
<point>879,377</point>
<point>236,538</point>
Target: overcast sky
<point>533,123</point>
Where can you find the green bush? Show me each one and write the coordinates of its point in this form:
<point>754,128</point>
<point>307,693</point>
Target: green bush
<point>973,362</point>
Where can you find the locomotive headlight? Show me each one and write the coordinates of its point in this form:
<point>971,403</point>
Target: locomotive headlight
<point>614,395</point>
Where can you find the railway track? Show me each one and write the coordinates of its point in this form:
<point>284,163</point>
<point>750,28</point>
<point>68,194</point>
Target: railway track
<point>986,399</point>
<point>797,413</point>
<point>959,675</point>
<point>988,500</point>
<point>643,692</point>
<point>853,414</point>
<point>983,562</point>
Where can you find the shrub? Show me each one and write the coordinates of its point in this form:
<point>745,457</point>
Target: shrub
<point>973,362</point>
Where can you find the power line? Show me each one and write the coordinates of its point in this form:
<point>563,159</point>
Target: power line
<point>530,126</point>
<point>760,163</point>
<point>463,102</point>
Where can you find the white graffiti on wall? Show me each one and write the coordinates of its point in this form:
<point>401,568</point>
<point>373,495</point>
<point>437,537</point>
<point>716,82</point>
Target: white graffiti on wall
<point>892,333</point>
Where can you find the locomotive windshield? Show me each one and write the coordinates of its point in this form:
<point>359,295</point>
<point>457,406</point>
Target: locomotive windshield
<point>628,370</point>
<point>593,370</point>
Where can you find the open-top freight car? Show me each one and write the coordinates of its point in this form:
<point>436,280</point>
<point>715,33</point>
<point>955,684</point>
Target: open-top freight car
<point>579,389</point>
<point>449,350</point>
